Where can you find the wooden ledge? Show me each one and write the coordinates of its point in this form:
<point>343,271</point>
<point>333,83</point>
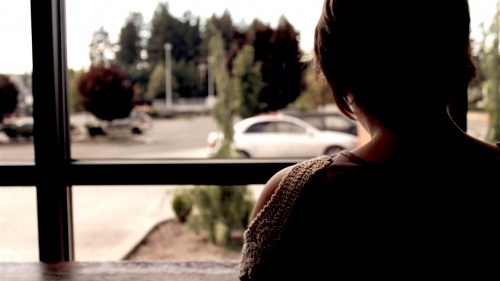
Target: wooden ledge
<point>121,270</point>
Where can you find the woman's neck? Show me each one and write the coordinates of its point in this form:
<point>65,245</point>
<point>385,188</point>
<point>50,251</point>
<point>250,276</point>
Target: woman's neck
<point>412,137</point>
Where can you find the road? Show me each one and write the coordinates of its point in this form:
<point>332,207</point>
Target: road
<point>183,137</point>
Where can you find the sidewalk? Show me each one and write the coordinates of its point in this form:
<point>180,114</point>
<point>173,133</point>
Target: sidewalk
<point>109,221</point>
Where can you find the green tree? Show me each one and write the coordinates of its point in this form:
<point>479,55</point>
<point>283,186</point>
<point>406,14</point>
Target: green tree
<point>130,43</point>
<point>282,71</point>
<point>184,35</point>
<point>157,82</point>
<point>224,26</point>
<point>490,67</point>
<point>8,96</point>
<point>316,92</point>
<point>222,209</point>
<point>227,103</point>
<point>100,47</point>
<point>105,92</point>
<point>186,79</point>
<point>156,85</point>
<point>247,82</point>
<point>75,104</point>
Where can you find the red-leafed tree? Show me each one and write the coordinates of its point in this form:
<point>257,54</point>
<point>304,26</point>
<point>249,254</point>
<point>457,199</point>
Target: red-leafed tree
<point>105,92</point>
<point>8,96</point>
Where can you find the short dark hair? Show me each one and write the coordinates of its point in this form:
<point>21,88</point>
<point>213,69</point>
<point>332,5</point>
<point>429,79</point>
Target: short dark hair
<point>386,52</point>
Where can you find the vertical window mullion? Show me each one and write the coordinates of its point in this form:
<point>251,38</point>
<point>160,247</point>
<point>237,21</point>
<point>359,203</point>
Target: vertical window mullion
<point>51,131</point>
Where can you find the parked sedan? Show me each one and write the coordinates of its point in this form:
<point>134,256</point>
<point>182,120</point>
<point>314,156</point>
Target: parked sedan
<point>136,123</point>
<point>331,121</point>
<point>282,136</point>
<point>18,127</point>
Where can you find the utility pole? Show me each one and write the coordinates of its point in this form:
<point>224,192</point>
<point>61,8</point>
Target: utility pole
<point>168,75</point>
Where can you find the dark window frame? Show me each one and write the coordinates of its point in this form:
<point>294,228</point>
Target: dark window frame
<point>53,171</point>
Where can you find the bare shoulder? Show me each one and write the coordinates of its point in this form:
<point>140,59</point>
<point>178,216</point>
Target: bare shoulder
<point>268,191</point>
<point>485,150</point>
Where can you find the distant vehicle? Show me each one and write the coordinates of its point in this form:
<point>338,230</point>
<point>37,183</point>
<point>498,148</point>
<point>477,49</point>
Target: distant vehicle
<point>18,127</point>
<point>136,123</point>
<point>331,121</point>
<point>282,136</point>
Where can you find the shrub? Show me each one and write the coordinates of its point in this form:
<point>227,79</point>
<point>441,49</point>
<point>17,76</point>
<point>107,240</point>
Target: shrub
<point>182,204</point>
<point>221,210</point>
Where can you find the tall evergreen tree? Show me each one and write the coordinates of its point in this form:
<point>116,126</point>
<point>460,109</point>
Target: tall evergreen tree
<point>101,47</point>
<point>156,85</point>
<point>227,101</point>
<point>185,37</point>
<point>130,42</point>
<point>224,25</point>
<point>247,82</point>
<point>282,71</point>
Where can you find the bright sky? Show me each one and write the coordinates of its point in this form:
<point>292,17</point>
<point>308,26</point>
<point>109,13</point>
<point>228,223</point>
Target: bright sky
<point>86,16</point>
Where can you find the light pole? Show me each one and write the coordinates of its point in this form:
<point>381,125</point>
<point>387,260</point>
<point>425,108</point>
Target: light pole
<point>168,75</point>
<point>202,67</point>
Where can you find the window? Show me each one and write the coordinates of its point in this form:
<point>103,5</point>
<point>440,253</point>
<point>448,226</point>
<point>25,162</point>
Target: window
<point>59,167</point>
<point>55,171</point>
<point>262,127</point>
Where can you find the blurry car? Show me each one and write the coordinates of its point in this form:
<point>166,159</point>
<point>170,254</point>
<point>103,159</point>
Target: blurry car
<point>282,136</point>
<point>331,121</point>
<point>136,123</point>
<point>18,127</point>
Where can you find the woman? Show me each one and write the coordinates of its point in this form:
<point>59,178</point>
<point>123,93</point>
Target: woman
<point>418,199</point>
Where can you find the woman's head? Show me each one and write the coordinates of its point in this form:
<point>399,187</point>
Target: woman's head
<point>392,56</point>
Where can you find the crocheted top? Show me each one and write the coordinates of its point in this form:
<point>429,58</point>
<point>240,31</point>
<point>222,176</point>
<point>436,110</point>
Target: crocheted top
<point>264,232</point>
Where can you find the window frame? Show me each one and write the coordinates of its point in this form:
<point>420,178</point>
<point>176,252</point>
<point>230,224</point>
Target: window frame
<point>53,171</point>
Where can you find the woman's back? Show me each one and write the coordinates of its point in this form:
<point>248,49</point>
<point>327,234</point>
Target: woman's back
<point>352,218</point>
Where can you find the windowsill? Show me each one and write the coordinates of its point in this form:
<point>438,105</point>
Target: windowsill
<point>121,270</point>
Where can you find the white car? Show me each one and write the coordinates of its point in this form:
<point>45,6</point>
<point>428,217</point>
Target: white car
<point>282,136</point>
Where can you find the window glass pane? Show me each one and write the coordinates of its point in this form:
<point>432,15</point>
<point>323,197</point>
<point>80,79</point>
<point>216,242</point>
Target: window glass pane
<point>18,224</point>
<point>169,71</point>
<point>16,122</point>
<point>112,222</point>
<point>172,76</point>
